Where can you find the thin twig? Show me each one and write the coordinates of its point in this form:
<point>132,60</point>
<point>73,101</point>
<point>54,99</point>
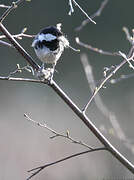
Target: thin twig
<point>128,59</point>
<point>76,4</point>
<point>40,168</point>
<point>121,78</point>
<point>20,69</point>
<point>101,106</point>
<point>19,48</point>
<point>13,6</point>
<point>21,79</point>
<point>128,36</point>
<point>6,44</point>
<point>96,14</point>
<point>97,89</point>
<point>57,134</point>
<point>4,6</point>
<point>19,36</point>
<point>71,7</point>
<point>100,51</point>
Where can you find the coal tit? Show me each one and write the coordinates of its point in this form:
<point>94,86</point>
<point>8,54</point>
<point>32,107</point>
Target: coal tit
<point>49,44</point>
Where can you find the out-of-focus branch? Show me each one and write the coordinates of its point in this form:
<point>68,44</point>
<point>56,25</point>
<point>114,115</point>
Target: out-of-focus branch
<point>119,133</point>
<point>57,134</point>
<point>128,36</point>
<point>96,14</point>
<point>97,89</point>
<point>20,69</point>
<point>36,170</point>
<point>19,36</point>
<point>100,51</point>
<point>128,58</point>
<point>121,78</point>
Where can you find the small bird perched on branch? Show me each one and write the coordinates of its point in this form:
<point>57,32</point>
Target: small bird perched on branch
<point>49,45</point>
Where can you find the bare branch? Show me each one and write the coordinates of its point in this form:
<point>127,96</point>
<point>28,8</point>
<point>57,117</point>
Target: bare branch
<point>71,8</point>
<point>19,36</point>
<point>96,90</point>
<point>92,127</point>
<point>6,44</point>
<point>57,134</point>
<point>128,36</point>
<point>40,168</point>
<point>76,4</point>
<point>96,14</point>
<point>83,117</point>
<point>122,77</point>
<point>13,6</point>
<point>128,59</point>
<point>19,48</point>
<point>101,106</point>
<point>4,6</point>
<point>100,51</point>
<point>21,79</point>
<point>20,69</point>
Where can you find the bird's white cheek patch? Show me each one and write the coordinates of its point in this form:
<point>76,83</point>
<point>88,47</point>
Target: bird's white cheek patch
<point>46,37</point>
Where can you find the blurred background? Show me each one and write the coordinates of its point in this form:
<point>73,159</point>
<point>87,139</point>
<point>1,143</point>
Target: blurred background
<point>24,145</point>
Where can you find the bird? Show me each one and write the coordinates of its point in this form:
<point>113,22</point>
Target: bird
<point>49,45</point>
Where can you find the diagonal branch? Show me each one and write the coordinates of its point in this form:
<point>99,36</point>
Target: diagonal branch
<point>96,14</point>
<point>57,134</point>
<point>100,51</point>
<point>92,127</point>
<point>10,8</point>
<point>76,4</point>
<point>19,48</point>
<point>102,107</point>
<point>84,119</point>
<point>6,44</point>
<point>40,168</point>
<point>97,89</point>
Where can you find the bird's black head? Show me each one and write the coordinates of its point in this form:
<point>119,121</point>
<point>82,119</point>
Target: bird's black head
<point>48,37</point>
<point>51,30</point>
